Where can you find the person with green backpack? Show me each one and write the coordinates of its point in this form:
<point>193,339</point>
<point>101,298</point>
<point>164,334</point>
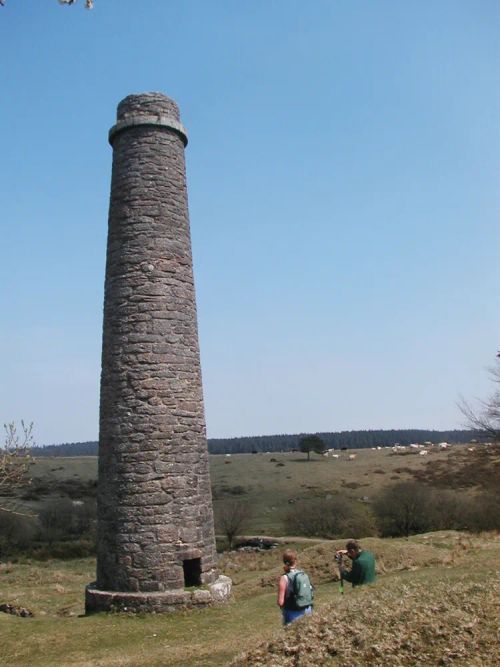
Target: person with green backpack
<point>295,591</point>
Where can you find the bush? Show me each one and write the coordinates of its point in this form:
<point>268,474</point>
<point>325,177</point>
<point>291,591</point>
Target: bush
<point>447,510</point>
<point>330,518</point>
<point>409,508</point>
<point>84,518</point>
<point>403,509</point>
<point>236,490</point>
<point>482,513</point>
<point>62,518</point>
<point>16,532</point>
<point>55,519</point>
<point>65,550</point>
<point>63,529</point>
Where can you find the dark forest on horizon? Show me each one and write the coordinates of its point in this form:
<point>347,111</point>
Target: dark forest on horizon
<point>286,443</point>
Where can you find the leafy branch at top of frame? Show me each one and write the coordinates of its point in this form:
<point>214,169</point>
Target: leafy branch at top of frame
<point>89,4</point>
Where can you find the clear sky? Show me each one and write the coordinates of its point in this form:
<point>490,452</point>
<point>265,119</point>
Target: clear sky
<point>344,200</point>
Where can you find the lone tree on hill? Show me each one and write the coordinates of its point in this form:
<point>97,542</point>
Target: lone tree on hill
<point>312,443</point>
<point>15,460</point>
<point>485,418</point>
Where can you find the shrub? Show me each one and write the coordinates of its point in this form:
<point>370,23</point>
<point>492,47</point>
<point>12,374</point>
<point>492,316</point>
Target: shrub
<point>403,510</point>
<point>38,488</point>
<point>30,494</point>
<point>236,490</point>
<point>409,508</point>
<point>16,532</point>
<point>330,518</point>
<point>447,510</point>
<point>84,518</point>
<point>62,518</point>
<point>76,489</point>
<point>63,530</point>
<point>65,550</point>
<point>55,519</point>
<point>482,513</point>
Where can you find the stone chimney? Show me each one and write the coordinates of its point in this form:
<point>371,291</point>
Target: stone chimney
<point>155,520</point>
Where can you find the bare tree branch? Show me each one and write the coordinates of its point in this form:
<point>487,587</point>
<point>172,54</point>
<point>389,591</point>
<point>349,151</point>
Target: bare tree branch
<point>232,518</point>
<point>485,416</point>
<point>15,460</point>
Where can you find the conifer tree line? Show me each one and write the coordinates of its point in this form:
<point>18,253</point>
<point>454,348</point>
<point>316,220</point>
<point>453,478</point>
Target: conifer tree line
<point>286,443</point>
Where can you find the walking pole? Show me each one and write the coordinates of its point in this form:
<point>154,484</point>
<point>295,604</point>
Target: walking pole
<point>338,558</point>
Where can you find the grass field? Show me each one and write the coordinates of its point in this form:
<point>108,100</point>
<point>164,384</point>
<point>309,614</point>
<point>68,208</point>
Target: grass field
<point>269,483</point>
<point>436,579</point>
<point>434,603</point>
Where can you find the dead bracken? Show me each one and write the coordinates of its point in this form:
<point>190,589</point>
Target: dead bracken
<point>410,624</point>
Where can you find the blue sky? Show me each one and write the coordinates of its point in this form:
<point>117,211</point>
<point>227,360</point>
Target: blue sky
<point>343,186</point>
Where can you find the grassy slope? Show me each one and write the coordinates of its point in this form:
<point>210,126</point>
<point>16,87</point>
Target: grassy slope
<point>416,575</point>
<point>268,486</point>
<point>54,591</point>
<point>438,603</point>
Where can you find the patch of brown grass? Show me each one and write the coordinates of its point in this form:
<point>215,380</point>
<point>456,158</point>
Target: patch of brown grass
<point>251,572</point>
<point>407,624</point>
<point>391,555</point>
<point>420,572</point>
<point>463,469</point>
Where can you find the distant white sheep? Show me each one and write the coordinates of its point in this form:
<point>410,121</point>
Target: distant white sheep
<point>352,457</point>
<point>423,452</point>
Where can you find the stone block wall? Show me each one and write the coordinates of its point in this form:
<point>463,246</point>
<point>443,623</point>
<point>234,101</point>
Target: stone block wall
<point>154,499</point>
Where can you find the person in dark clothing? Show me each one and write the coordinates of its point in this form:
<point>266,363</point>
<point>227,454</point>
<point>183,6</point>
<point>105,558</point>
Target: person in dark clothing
<point>363,564</point>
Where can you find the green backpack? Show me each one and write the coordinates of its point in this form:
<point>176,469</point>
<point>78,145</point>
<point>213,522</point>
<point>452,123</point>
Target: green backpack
<point>301,591</point>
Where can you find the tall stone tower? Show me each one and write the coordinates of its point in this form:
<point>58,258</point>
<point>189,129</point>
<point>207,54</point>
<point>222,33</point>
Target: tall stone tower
<point>155,521</point>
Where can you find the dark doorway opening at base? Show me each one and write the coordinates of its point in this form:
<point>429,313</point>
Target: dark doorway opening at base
<point>192,572</point>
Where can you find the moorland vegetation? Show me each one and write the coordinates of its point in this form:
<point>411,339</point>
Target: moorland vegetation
<point>436,600</point>
<point>379,493</point>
